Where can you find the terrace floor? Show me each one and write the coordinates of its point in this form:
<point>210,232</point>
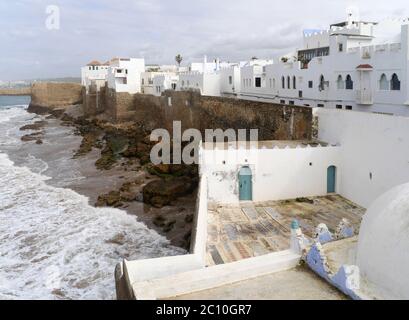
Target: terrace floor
<point>254,229</point>
<point>295,284</point>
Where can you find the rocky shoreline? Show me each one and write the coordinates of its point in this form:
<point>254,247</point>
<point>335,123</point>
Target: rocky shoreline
<point>162,196</point>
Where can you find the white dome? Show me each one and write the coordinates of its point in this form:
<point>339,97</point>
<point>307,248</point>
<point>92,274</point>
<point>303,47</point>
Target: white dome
<point>383,247</point>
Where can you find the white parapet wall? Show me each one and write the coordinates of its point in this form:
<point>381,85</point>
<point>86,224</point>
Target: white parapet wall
<point>149,269</point>
<point>375,151</point>
<point>169,277</point>
<point>277,174</point>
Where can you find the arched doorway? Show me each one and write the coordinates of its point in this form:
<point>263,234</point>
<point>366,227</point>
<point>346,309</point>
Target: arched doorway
<point>331,179</point>
<point>245,184</point>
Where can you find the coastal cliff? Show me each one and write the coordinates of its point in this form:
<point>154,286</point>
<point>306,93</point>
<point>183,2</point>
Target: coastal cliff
<point>46,97</point>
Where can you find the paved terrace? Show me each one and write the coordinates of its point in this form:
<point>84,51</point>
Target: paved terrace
<point>295,284</point>
<point>255,229</point>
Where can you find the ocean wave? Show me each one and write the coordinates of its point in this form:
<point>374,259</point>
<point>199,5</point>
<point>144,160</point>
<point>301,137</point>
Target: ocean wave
<point>54,245</point>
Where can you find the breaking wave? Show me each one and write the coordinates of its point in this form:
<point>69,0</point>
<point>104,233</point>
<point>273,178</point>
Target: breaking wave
<point>54,245</point>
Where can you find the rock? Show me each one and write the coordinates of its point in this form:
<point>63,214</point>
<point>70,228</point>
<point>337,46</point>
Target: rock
<point>39,141</point>
<point>189,218</point>
<point>159,221</point>
<point>169,226</point>
<point>160,193</point>
<point>31,137</point>
<point>35,126</point>
<point>112,199</point>
<point>162,168</point>
<point>118,239</point>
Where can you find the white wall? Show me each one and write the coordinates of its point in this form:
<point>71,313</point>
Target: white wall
<point>131,71</point>
<point>371,143</point>
<point>277,173</point>
<point>93,73</point>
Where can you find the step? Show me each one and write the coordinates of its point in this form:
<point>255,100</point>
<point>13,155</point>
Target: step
<point>214,276</point>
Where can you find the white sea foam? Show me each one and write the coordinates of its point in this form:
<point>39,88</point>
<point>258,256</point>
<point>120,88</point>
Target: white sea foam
<point>47,230</point>
<point>54,245</point>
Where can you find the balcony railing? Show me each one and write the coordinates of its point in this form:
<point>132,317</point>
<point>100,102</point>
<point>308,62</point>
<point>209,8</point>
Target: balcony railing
<point>364,97</point>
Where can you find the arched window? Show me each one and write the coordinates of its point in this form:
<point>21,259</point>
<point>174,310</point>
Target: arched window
<point>383,82</point>
<point>274,83</point>
<point>395,82</point>
<point>321,86</point>
<point>349,84</point>
<point>283,82</point>
<point>340,83</point>
<point>288,82</point>
<point>294,82</point>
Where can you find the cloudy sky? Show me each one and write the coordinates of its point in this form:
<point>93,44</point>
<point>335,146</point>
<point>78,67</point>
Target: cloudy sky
<point>159,29</point>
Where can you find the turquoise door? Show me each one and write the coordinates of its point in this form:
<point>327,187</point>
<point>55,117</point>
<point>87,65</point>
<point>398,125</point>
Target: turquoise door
<point>331,175</point>
<point>245,184</point>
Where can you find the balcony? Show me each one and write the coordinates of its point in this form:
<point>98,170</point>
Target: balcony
<point>364,97</point>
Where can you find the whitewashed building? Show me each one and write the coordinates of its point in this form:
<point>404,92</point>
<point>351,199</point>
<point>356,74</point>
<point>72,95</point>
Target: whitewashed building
<point>94,73</point>
<point>165,81</point>
<point>355,65</point>
<point>157,79</point>
<point>124,75</point>
<point>204,77</point>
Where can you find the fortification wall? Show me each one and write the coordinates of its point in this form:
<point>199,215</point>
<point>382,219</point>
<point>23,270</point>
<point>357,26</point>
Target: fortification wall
<point>274,121</point>
<point>15,92</point>
<point>46,96</point>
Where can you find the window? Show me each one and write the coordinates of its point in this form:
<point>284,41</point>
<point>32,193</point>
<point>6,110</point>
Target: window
<point>288,82</point>
<point>283,82</point>
<point>348,107</point>
<point>383,83</point>
<point>320,105</point>
<point>299,94</point>
<point>291,102</point>
<point>349,84</point>
<point>230,80</point>
<point>143,81</point>
<point>271,83</point>
<point>340,83</point>
<point>395,82</point>
<point>339,106</point>
<point>294,82</point>
<point>174,86</point>
<point>310,84</point>
<point>321,87</point>
<point>258,82</point>
<point>188,83</point>
<point>282,101</point>
<point>274,83</point>
<point>340,47</point>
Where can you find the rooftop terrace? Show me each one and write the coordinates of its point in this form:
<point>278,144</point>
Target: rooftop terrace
<point>254,229</point>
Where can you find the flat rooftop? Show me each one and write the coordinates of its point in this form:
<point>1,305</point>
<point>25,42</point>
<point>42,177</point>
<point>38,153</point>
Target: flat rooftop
<point>295,284</point>
<point>254,229</point>
<point>266,144</point>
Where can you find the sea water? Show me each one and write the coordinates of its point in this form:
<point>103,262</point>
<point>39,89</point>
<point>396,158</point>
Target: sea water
<point>53,244</point>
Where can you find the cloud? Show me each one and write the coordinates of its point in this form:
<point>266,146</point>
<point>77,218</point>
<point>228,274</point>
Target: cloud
<point>159,29</point>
